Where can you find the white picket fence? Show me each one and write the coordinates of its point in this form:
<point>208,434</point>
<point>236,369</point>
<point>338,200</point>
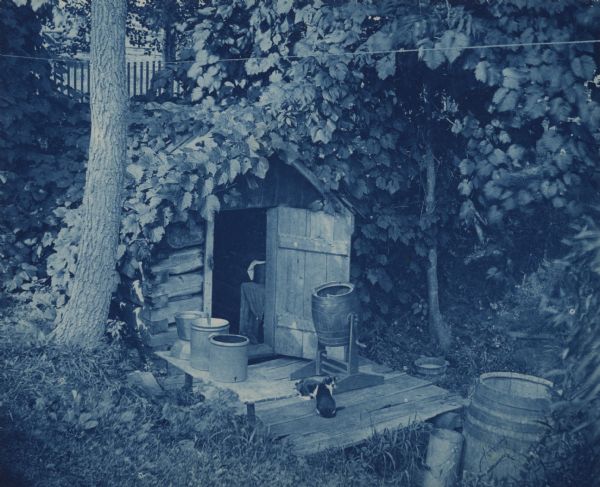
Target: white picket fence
<point>73,78</point>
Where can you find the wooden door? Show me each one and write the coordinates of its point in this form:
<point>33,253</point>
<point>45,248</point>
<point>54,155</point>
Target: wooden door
<point>304,250</point>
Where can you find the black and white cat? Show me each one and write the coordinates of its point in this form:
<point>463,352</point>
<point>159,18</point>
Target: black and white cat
<point>322,392</point>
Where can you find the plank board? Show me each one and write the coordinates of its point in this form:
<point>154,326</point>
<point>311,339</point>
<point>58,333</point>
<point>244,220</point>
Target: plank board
<point>255,389</point>
<point>175,305</point>
<point>318,245</point>
<point>179,261</point>
<point>260,351</point>
<point>398,402</point>
<point>208,266</point>
<point>305,249</point>
<point>423,411</point>
<point>371,397</point>
<point>266,380</point>
<point>354,413</point>
<point>271,276</point>
<point>178,285</point>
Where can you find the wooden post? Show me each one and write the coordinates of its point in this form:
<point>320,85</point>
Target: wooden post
<point>251,413</point>
<point>443,457</point>
<point>68,66</point>
<point>159,68</point>
<point>141,77</point>
<point>81,66</point>
<point>134,78</point>
<point>209,245</point>
<point>147,77</point>
<point>188,384</point>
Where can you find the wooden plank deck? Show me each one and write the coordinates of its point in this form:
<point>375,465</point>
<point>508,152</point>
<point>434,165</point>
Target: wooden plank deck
<point>266,381</point>
<point>398,402</point>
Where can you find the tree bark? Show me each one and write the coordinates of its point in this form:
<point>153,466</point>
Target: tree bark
<point>82,322</point>
<point>438,328</point>
<point>169,54</point>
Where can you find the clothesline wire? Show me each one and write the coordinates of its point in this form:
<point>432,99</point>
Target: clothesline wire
<point>342,54</point>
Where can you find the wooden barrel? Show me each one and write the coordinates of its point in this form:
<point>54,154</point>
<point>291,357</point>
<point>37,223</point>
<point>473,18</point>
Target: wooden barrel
<point>332,305</point>
<point>506,417</point>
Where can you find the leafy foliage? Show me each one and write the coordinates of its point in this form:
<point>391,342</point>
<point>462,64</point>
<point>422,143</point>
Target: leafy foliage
<point>533,144</point>
<point>575,309</point>
<point>363,124</point>
<point>334,113</point>
<point>152,25</point>
<point>43,137</point>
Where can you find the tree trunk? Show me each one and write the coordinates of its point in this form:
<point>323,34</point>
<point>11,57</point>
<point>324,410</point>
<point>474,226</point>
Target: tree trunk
<point>83,320</point>
<point>169,54</point>
<point>438,328</point>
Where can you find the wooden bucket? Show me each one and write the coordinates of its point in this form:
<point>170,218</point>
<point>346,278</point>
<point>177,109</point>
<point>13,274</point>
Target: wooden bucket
<point>506,417</point>
<point>431,368</point>
<point>332,305</point>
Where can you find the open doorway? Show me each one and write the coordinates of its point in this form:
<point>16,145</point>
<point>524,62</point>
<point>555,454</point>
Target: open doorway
<point>240,239</point>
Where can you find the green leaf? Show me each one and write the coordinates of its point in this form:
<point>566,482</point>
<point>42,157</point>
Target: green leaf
<point>186,201</point>
<point>156,234</point>
<point>453,42</point>
<point>252,143</point>
<point>481,71</point>
<point>234,169</point>
<point>338,71</point>
<point>136,172</point>
<point>433,59</point>
<point>283,6</point>
<point>515,152</point>
<point>207,187</point>
<point>548,189</point>
<point>467,210</point>
<point>524,197</point>
<point>584,67</point>
<point>494,215</point>
<point>465,187</point>
<point>492,191</point>
<point>511,78</point>
<point>262,167</point>
<point>508,102</point>
<point>386,66</point>
<point>466,167</point>
<point>497,157</point>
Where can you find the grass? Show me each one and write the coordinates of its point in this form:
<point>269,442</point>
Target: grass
<point>72,419</point>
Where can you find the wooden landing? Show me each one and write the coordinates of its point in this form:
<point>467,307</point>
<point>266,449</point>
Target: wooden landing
<point>398,402</point>
<point>266,381</point>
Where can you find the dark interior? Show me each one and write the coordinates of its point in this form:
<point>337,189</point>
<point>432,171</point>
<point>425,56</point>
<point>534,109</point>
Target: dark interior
<point>240,238</point>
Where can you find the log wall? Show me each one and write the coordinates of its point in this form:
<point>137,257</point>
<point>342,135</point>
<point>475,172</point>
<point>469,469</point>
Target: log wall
<point>172,283</point>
